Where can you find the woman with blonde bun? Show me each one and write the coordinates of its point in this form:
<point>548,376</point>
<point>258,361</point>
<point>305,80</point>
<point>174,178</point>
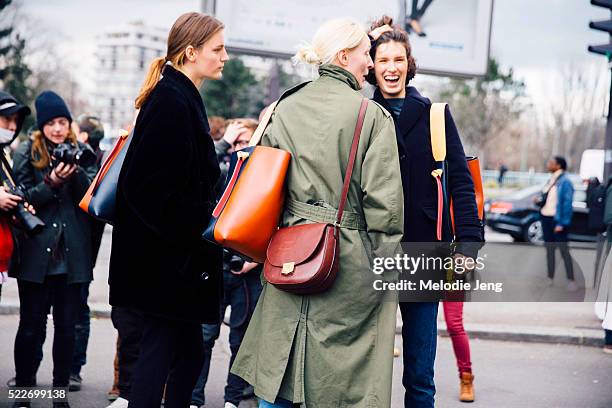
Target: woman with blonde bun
<point>333,348</point>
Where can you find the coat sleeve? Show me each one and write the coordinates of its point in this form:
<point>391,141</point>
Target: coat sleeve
<point>38,194</point>
<point>563,216</point>
<point>468,227</point>
<point>155,182</point>
<point>381,183</point>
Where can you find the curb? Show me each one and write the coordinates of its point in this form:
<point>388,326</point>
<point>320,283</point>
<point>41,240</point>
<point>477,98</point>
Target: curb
<point>589,337</point>
<point>529,334</point>
<point>98,311</point>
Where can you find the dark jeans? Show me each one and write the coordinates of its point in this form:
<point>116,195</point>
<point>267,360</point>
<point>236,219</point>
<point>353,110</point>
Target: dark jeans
<point>35,299</point>
<point>171,353</point>
<point>554,240</point>
<point>129,325</point>
<point>241,293</point>
<point>419,337</point>
<point>608,339</point>
<point>81,333</point>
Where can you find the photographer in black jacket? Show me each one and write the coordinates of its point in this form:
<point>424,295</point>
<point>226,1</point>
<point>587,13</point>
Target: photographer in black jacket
<point>12,115</point>
<point>52,266</point>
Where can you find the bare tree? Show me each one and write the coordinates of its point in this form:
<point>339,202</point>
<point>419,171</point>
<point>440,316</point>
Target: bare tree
<point>574,118</point>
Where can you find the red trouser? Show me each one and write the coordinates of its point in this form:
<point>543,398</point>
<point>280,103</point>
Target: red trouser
<point>453,314</point>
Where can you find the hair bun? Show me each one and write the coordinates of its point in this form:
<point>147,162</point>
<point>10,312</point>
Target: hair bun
<point>384,20</point>
<point>308,55</point>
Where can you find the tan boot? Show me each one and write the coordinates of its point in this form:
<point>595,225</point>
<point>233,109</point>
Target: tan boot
<point>466,393</point>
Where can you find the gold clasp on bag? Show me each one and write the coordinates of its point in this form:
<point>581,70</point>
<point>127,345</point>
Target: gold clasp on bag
<point>288,268</point>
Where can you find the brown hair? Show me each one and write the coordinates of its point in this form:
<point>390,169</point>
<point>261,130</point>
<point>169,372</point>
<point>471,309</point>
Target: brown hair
<point>397,35</point>
<point>40,153</point>
<point>189,29</point>
<point>217,127</point>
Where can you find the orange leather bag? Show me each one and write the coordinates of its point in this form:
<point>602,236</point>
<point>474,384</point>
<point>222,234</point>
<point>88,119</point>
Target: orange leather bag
<point>303,259</point>
<point>249,210</point>
<point>438,145</point>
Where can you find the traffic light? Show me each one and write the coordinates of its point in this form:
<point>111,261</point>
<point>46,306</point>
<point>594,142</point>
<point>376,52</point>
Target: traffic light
<point>604,25</point>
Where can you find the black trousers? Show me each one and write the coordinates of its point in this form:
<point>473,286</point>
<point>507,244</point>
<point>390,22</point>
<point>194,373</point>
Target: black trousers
<point>171,354</point>
<point>34,299</point>
<point>556,240</point>
<point>417,12</point>
<point>129,325</point>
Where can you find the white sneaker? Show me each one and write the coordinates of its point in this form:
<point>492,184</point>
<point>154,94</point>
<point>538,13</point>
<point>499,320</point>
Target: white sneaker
<point>572,287</point>
<point>193,406</point>
<point>119,403</point>
<point>229,405</point>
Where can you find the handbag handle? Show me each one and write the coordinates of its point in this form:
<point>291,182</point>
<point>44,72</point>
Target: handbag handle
<point>351,163</point>
<point>262,124</point>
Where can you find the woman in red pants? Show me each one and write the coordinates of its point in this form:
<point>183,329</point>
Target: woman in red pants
<point>453,314</point>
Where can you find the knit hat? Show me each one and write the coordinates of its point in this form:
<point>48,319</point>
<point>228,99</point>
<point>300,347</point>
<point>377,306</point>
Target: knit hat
<point>49,106</point>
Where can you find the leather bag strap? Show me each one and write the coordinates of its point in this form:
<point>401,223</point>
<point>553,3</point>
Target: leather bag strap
<point>351,162</point>
<point>263,123</point>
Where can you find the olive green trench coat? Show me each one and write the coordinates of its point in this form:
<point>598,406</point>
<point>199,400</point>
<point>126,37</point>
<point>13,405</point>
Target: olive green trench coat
<point>333,349</point>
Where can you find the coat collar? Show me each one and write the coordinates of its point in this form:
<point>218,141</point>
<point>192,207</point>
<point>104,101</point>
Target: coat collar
<point>340,74</point>
<point>414,106</point>
<point>188,89</point>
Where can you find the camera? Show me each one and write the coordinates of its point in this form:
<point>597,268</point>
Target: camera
<point>25,219</point>
<point>234,262</point>
<point>73,154</point>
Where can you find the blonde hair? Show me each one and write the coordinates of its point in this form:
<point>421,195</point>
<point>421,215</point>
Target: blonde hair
<point>40,153</point>
<point>189,29</point>
<point>331,38</point>
<point>248,123</point>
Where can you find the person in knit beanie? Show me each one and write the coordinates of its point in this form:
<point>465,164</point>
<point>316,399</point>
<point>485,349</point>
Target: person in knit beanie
<point>54,267</point>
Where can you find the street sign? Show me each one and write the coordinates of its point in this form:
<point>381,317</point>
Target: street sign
<point>456,41</point>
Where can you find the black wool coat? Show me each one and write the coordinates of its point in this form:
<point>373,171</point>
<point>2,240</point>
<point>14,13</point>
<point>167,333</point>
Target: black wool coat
<point>159,264</point>
<point>420,188</point>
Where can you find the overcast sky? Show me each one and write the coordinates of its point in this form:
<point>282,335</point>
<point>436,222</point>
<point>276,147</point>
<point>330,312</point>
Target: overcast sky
<point>535,37</point>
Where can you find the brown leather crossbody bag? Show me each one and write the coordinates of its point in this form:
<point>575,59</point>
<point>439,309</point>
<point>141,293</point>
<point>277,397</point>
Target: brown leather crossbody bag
<point>303,259</point>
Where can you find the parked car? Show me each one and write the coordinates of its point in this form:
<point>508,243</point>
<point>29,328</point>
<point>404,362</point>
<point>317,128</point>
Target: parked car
<point>517,215</point>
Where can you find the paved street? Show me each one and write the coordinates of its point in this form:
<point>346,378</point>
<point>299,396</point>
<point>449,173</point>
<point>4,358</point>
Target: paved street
<point>508,375</point>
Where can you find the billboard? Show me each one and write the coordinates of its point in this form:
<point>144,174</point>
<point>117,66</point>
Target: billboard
<point>454,36</point>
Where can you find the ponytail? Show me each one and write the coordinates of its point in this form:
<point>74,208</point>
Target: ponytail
<point>189,29</point>
<point>152,78</point>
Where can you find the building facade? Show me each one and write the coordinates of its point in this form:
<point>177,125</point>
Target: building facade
<point>123,56</point>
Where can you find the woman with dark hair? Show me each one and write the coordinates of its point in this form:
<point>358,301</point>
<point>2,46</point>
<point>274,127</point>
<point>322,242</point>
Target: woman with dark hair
<point>53,265</point>
<point>394,67</point>
<point>160,267</point>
